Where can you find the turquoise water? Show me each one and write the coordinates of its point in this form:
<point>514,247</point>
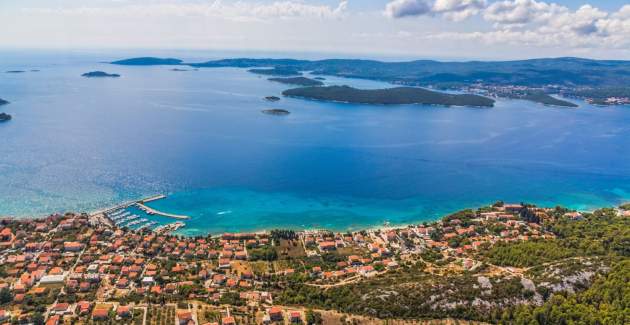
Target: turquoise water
<point>78,144</point>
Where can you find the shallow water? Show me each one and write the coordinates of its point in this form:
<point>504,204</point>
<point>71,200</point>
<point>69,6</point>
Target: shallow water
<point>81,144</point>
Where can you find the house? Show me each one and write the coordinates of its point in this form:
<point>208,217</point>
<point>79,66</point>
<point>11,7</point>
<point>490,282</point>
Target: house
<point>54,320</point>
<point>83,307</point>
<point>184,317</point>
<point>72,246</point>
<point>275,314</point>
<point>228,321</point>
<point>123,312</point>
<point>295,317</point>
<point>100,314</point>
<point>61,308</point>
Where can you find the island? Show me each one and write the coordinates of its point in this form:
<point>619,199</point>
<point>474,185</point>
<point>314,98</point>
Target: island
<point>148,61</point>
<point>16,71</point>
<point>277,71</point>
<point>4,117</point>
<point>319,78</point>
<point>178,69</point>
<point>299,81</point>
<point>3,102</point>
<point>390,96</point>
<point>276,111</point>
<point>272,98</point>
<point>100,74</point>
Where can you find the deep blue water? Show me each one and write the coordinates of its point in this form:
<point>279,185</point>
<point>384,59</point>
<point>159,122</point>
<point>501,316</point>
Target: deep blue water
<point>81,144</point>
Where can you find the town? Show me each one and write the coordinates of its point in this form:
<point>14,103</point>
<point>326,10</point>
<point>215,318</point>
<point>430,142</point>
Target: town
<point>81,268</point>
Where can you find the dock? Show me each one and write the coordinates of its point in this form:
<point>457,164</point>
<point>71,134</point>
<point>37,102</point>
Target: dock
<point>159,213</point>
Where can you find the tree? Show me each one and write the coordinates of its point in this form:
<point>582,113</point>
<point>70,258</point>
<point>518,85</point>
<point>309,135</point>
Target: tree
<point>5,296</point>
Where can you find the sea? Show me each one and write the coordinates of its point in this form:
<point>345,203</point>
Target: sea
<point>199,137</point>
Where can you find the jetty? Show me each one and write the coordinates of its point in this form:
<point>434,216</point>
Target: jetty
<point>152,211</point>
<point>141,205</point>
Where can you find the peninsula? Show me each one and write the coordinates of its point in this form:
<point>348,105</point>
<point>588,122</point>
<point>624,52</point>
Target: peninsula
<point>299,81</point>
<point>3,102</point>
<point>277,71</point>
<point>604,82</point>
<point>100,74</point>
<point>390,96</point>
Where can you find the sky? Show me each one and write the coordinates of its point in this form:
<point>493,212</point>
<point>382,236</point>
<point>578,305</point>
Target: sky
<point>440,29</point>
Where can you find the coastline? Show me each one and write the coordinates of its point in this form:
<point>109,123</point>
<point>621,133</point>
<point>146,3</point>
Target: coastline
<point>384,225</point>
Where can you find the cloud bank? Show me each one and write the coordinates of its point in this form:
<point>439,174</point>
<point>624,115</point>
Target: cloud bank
<point>525,21</point>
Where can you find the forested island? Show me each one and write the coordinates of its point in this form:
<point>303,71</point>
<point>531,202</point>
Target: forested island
<point>148,61</point>
<point>4,117</point>
<point>390,96</point>
<point>299,81</point>
<point>276,111</point>
<point>3,102</point>
<point>272,98</point>
<point>100,74</point>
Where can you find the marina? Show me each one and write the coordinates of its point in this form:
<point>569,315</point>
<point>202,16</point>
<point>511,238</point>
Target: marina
<point>137,215</point>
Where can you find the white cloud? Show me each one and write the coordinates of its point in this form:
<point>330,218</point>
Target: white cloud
<point>458,9</point>
<point>518,12</point>
<point>406,8</point>
<point>450,9</point>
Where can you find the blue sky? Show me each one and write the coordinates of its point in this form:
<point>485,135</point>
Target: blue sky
<point>475,29</point>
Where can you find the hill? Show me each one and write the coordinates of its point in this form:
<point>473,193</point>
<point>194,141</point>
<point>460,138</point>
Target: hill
<point>391,96</point>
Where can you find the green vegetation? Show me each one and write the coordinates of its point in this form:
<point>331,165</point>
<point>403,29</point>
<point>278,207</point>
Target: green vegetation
<point>607,301</point>
<point>528,253</point>
<point>399,95</point>
<point>299,81</point>
<point>588,257</point>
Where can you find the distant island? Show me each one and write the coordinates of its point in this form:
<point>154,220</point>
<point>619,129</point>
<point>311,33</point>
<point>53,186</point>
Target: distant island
<point>601,82</point>
<point>276,111</point>
<point>277,71</point>
<point>100,74</point>
<point>272,98</point>
<point>300,81</point>
<point>4,117</point>
<point>16,71</point>
<point>178,69</point>
<point>148,61</point>
<point>390,96</point>
<point>319,78</point>
<point>3,102</point>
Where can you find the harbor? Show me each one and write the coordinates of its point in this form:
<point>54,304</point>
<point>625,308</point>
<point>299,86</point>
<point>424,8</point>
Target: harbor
<point>137,215</point>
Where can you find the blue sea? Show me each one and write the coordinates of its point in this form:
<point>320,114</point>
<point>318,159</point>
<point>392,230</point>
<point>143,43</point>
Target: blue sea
<point>80,144</point>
